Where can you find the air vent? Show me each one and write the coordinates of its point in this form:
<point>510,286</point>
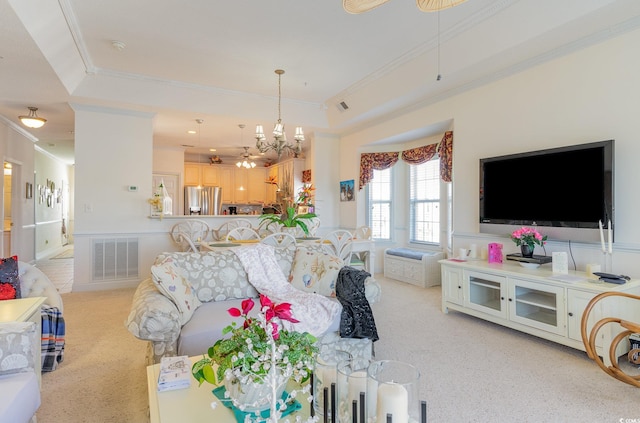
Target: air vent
<point>342,106</point>
<point>115,259</point>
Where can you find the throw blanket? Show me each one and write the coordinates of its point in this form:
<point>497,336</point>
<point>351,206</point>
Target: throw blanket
<point>356,320</point>
<point>52,338</point>
<point>314,312</point>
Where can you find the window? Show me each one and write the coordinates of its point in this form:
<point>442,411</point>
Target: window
<point>379,202</point>
<point>424,198</point>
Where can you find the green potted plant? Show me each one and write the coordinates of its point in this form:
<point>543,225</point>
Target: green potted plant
<point>258,357</point>
<point>289,219</point>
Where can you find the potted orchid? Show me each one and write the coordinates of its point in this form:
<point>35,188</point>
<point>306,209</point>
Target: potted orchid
<point>526,239</point>
<point>258,358</point>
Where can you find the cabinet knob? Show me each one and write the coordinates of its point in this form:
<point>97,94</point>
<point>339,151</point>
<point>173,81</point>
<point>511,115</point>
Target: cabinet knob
<point>502,298</point>
<point>570,314</point>
<point>510,299</point>
<point>459,287</point>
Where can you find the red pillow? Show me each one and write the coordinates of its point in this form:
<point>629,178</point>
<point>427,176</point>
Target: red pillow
<point>9,280</point>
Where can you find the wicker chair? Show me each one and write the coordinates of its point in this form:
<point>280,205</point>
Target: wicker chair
<point>628,328</point>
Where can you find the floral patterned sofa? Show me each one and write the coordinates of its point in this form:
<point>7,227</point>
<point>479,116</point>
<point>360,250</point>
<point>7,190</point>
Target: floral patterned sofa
<point>182,308</point>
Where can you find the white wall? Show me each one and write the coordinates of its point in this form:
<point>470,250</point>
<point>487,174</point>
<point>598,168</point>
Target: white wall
<point>49,219</point>
<point>591,95</point>
<point>113,150</point>
<point>324,160</point>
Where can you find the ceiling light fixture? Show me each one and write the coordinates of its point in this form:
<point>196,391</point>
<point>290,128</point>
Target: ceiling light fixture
<point>246,156</point>
<point>279,144</point>
<point>32,121</point>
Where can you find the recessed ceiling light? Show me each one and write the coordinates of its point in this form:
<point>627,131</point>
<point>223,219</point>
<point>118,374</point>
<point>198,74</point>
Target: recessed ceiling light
<point>212,149</point>
<point>191,131</point>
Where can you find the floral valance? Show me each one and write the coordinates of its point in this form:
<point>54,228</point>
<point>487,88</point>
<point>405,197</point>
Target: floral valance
<point>377,161</point>
<point>414,156</point>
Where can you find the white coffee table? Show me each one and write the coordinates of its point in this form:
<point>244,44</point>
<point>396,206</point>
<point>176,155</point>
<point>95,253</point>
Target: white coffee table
<point>193,404</point>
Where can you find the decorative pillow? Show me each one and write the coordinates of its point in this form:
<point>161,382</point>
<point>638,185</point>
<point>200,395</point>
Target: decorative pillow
<point>9,280</point>
<point>315,271</point>
<point>174,285</point>
<point>214,275</point>
<point>17,352</point>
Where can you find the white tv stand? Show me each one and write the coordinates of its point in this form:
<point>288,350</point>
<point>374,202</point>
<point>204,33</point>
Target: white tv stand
<point>529,301</point>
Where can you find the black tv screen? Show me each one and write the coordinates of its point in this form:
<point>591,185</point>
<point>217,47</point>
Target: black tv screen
<point>567,187</point>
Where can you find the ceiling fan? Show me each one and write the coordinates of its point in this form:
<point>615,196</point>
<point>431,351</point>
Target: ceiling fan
<point>246,159</point>
<point>361,6</point>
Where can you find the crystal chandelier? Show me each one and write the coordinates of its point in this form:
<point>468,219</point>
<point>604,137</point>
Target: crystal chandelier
<point>279,144</point>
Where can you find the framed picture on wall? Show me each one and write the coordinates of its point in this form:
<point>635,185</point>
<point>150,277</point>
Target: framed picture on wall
<point>303,209</point>
<point>29,190</point>
<point>347,191</point>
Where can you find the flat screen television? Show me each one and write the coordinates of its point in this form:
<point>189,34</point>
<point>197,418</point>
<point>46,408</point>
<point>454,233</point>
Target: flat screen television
<point>566,191</point>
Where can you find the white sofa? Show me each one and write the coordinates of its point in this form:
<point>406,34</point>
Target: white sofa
<point>219,282</point>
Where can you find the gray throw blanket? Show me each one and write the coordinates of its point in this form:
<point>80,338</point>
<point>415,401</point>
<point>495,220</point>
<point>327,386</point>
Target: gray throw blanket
<point>356,320</point>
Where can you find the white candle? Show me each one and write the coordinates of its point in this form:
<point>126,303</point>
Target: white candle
<point>610,238</point>
<point>601,236</point>
<point>392,399</point>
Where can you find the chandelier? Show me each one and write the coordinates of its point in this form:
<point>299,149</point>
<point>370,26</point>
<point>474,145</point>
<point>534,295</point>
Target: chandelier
<point>279,144</point>
<point>32,121</point>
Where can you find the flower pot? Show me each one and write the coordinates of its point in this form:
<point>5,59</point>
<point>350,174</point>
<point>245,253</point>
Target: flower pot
<point>252,396</point>
<point>526,250</point>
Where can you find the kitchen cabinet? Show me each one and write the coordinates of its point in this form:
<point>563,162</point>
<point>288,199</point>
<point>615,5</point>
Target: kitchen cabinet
<point>199,174</point>
<point>233,178</point>
<point>534,301</point>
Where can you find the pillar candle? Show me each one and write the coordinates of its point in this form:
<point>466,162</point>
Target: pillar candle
<point>392,399</point>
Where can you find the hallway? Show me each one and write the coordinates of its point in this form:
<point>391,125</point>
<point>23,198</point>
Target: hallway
<point>59,269</point>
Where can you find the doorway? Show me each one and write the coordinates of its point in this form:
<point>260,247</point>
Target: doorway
<point>11,223</point>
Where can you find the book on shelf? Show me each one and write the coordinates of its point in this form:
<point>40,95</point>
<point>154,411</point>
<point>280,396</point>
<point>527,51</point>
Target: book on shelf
<point>175,373</point>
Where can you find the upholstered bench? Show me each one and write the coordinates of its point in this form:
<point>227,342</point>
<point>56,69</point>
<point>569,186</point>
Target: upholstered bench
<point>413,266</point>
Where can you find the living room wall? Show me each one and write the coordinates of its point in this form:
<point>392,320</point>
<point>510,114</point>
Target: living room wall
<point>590,95</point>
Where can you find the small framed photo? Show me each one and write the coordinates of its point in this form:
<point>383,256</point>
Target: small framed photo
<point>303,209</point>
<point>29,190</point>
<point>346,191</point>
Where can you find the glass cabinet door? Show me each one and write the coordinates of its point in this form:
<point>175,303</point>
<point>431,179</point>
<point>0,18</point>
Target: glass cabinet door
<point>537,305</point>
<point>486,293</point>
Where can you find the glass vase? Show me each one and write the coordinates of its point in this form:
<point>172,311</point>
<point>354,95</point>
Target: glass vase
<point>324,375</point>
<point>393,391</point>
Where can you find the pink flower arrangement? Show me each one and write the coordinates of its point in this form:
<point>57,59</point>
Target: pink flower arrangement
<point>528,236</point>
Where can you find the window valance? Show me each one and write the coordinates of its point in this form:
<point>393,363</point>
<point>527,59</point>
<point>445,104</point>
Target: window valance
<point>380,161</point>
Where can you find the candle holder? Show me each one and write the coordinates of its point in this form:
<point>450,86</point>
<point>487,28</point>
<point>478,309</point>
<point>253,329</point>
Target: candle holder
<point>352,390</point>
<point>324,374</point>
<point>393,391</point>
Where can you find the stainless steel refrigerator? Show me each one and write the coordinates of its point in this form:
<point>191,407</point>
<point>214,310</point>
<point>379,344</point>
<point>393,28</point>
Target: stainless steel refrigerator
<point>203,200</point>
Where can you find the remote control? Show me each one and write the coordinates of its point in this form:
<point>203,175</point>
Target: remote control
<point>611,276</point>
<point>613,280</point>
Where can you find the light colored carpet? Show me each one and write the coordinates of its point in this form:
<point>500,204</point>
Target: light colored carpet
<point>103,375</point>
<point>471,370</point>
